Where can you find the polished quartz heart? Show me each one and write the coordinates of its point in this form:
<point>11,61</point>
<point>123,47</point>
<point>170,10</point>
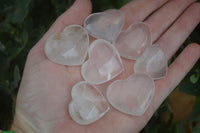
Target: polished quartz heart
<point>69,47</point>
<point>153,62</point>
<point>132,42</point>
<point>104,63</point>
<point>133,95</point>
<point>88,104</point>
<point>105,25</point>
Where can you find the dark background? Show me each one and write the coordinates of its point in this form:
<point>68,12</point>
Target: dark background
<point>22,24</point>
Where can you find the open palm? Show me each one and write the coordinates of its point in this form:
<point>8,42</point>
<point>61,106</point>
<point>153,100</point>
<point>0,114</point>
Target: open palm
<point>44,94</point>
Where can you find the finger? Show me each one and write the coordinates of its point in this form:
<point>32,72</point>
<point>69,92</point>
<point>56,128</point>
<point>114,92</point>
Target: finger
<point>74,15</point>
<point>177,70</point>
<point>138,10</point>
<point>174,37</point>
<point>165,16</point>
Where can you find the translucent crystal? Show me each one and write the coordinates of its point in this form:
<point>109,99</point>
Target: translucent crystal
<point>132,42</point>
<point>104,63</point>
<point>153,61</point>
<point>69,47</point>
<point>133,95</point>
<point>105,25</point>
<point>88,104</point>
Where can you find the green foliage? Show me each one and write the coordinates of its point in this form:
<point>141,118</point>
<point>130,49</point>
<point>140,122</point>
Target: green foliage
<point>61,5</point>
<point>196,109</point>
<point>22,24</point>
<point>16,76</point>
<point>191,83</point>
<point>8,132</point>
<point>101,5</point>
<point>19,11</point>
<point>194,78</point>
<point>196,129</point>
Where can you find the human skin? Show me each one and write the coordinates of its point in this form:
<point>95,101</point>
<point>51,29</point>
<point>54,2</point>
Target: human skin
<point>44,93</point>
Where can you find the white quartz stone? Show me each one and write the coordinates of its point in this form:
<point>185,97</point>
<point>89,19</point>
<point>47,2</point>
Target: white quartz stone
<point>133,95</point>
<point>69,47</point>
<point>153,62</point>
<point>88,104</point>
<point>104,63</point>
<point>105,25</point>
<point>132,42</point>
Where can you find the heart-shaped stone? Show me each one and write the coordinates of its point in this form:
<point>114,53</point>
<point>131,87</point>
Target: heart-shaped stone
<point>105,25</point>
<point>132,42</point>
<point>69,47</point>
<point>153,62</point>
<point>133,95</point>
<point>88,104</point>
<point>104,63</point>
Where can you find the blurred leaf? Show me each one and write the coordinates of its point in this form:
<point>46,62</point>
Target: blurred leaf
<point>6,28</point>
<point>196,129</point>
<point>22,40</point>
<point>6,114</point>
<point>196,109</point>
<point>194,78</point>
<point>61,5</point>
<point>107,4</point>
<point>20,11</point>
<point>190,83</point>
<point>17,77</point>
<point>16,74</point>
<point>180,128</point>
<point>5,3</point>
<point>2,47</point>
<point>4,84</point>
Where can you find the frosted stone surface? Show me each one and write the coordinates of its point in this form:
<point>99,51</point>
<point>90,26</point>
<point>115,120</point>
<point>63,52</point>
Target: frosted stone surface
<point>153,62</point>
<point>88,104</point>
<point>104,63</point>
<point>132,42</point>
<point>105,25</point>
<point>69,47</point>
<point>133,95</point>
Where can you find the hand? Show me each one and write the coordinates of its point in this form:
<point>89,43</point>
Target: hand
<point>44,93</point>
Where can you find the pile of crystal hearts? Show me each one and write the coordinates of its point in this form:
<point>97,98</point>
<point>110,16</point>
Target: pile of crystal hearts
<point>132,95</point>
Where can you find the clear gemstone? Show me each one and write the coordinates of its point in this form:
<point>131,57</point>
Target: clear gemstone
<point>105,25</point>
<point>69,47</point>
<point>132,42</point>
<point>133,95</point>
<point>88,104</point>
<point>104,63</point>
<point>153,62</point>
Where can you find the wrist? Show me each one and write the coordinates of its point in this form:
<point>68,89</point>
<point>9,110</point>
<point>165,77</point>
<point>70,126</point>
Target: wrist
<point>21,124</point>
